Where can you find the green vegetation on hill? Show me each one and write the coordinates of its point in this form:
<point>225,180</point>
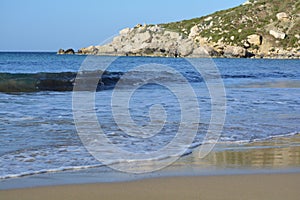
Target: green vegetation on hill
<point>233,26</point>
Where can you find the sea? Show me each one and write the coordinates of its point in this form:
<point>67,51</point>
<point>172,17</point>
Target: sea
<point>141,106</point>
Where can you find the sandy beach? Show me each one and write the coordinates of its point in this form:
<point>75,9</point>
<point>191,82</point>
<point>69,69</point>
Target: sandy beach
<point>240,187</point>
<point>275,154</point>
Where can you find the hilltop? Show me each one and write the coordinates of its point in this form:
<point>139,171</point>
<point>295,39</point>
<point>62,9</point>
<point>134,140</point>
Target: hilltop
<point>257,28</point>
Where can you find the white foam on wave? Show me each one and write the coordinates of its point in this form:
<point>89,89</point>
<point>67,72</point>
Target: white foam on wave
<point>248,141</point>
<point>54,170</point>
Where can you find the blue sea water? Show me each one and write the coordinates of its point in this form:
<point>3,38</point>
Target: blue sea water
<point>37,128</point>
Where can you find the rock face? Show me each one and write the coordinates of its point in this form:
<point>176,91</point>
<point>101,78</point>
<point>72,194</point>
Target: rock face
<point>157,41</point>
<point>205,51</point>
<point>103,49</point>
<point>88,50</point>
<point>282,16</point>
<point>194,31</point>
<point>125,31</point>
<point>254,39</point>
<point>278,34</point>
<point>145,41</point>
<point>235,52</point>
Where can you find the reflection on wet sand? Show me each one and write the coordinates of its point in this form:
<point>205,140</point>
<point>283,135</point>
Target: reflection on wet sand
<point>277,153</point>
<point>267,157</point>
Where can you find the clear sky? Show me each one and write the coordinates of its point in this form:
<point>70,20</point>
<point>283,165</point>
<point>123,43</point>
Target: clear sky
<point>52,24</point>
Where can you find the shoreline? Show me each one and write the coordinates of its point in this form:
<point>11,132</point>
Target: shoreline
<point>276,156</point>
<point>258,57</point>
<point>262,186</point>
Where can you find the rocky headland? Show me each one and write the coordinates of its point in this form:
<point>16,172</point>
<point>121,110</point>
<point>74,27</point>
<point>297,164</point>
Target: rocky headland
<point>257,28</point>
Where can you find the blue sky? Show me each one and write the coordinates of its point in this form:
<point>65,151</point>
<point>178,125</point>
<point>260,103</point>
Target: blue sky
<point>48,25</point>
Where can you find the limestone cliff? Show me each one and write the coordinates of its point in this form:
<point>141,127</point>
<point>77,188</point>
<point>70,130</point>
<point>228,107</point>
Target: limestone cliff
<point>149,40</point>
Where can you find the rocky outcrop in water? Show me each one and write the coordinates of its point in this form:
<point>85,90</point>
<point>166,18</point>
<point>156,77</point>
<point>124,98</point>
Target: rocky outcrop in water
<point>157,41</point>
<point>147,41</point>
<point>68,51</point>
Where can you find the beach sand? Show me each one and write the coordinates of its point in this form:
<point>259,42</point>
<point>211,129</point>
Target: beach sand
<point>240,187</point>
<point>280,154</point>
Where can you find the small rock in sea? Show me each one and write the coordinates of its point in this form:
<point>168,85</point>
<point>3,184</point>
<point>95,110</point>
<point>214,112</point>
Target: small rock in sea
<point>70,51</point>
<point>61,51</point>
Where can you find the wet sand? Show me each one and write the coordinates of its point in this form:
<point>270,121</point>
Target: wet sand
<point>274,154</point>
<point>239,187</point>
